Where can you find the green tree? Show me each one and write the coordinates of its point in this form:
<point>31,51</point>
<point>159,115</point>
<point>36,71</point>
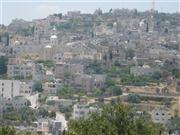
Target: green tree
<point>6,130</point>
<point>109,82</point>
<point>118,119</point>
<point>130,53</point>
<point>46,63</point>
<point>157,76</point>
<point>3,65</point>
<point>37,86</point>
<point>176,72</point>
<point>52,114</point>
<point>175,123</point>
<point>27,114</point>
<point>112,91</point>
<point>116,91</point>
<point>133,98</point>
<point>43,112</point>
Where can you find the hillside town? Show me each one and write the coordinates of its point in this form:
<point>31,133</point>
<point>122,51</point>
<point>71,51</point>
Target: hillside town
<point>67,67</point>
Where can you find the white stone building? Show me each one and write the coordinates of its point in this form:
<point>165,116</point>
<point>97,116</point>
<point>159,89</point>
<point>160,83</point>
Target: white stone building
<point>9,88</point>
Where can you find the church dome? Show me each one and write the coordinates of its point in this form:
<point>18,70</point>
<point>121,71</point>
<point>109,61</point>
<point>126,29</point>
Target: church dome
<point>53,37</point>
<point>48,46</point>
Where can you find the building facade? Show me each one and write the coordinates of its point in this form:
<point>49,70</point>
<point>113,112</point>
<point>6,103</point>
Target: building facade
<point>9,88</point>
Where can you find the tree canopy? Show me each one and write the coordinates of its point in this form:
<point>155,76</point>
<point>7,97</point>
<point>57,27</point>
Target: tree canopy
<point>118,119</point>
<point>37,86</point>
<point>3,65</point>
<point>133,98</point>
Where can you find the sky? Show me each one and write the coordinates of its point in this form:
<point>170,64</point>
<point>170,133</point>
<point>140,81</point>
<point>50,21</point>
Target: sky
<point>34,9</point>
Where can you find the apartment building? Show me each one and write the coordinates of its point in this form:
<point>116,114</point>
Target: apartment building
<point>19,68</point>
<point>9,88</point>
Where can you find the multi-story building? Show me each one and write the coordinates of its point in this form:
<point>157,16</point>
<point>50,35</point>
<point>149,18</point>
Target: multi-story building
<point>116,53</point>
<point>52,87</point>
<point>55,127</point>
<point>61,69</point>
<point>83,110</point>
<point>38,72</point>
<point>16,103</point>
<point>42,126</point>
<point>4,39</point>
<point>20,69</point>
<point>80,110</point>
<point>48,126</point>
<point>42,31</point>
<point>25,88</point>
<point>88,82</point>
<point>9,88</point>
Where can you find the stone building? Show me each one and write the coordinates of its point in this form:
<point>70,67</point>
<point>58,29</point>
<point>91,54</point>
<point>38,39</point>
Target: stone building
<point>64,69</point>
<point>9,88</point>
<point>19,68</point>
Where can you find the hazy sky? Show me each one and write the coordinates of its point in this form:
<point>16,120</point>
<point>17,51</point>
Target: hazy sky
<point>33,9</point>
